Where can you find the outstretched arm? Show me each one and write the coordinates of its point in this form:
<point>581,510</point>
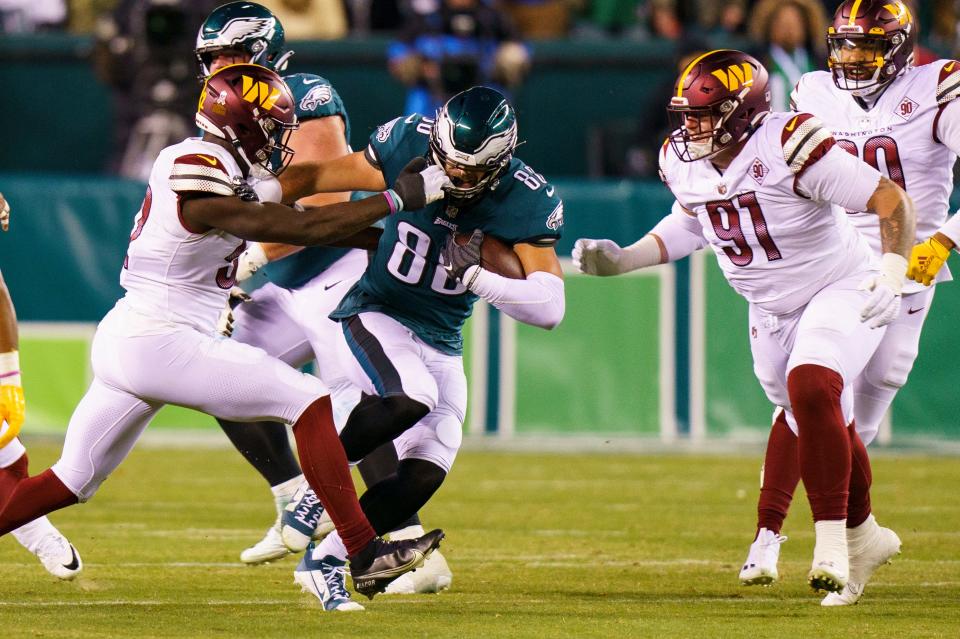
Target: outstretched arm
<point>349,173</point>
<point>11,390</point>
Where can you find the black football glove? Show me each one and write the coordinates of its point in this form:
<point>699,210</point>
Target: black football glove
<point>419,184</point>
<point>457,258</point>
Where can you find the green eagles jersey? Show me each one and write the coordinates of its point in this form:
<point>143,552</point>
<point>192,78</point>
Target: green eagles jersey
<point>404,279</point>
<point>315,97</point>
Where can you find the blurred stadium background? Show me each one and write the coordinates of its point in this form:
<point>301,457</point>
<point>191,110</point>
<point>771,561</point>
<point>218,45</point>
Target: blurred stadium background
<point>661,356</point>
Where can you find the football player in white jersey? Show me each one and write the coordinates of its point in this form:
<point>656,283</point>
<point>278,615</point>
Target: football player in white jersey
<point>904,121</point>
<point>40,537</point>
<point>765,191</point>
<point>158,344</point>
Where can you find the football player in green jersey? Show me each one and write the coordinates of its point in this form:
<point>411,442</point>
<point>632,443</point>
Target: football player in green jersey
<point>402,320</point>
<point>287,317</point>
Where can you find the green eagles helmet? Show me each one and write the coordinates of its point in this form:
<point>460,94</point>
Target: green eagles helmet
<point>243,26</point>
<point>475,132</point>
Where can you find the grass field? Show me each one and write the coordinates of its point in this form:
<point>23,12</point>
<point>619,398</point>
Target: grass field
<point>540,546</point>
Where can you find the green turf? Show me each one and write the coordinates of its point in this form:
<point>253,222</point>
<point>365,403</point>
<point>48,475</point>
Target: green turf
<point>540,546</point>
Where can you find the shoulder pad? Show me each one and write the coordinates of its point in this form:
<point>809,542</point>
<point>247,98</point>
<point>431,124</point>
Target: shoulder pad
<point>948,85</point>
<point>804,140</point>
<point>200,172</point>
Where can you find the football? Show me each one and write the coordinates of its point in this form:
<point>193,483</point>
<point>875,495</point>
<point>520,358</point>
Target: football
<point>497,256</point>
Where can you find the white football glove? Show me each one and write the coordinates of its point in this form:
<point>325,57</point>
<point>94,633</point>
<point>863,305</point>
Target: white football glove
<point>597,257</point>
<point>4,213</point>
<point>883,305</point>
<point>251,261</point>
<point>225,322</point>
<point>435,180</point>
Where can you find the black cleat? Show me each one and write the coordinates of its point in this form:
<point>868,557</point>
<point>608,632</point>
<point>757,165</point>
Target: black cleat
<point>373,568</point>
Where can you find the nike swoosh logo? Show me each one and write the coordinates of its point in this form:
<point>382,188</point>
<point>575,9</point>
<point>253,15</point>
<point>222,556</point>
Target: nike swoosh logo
<point>328,287</point>
<point>912,310</point>
<point>314,81</point>
<point>549,191</point>
<point>207,158</point>
<point>75,562</point>
<point>949,67</point>
<point>792,124</point>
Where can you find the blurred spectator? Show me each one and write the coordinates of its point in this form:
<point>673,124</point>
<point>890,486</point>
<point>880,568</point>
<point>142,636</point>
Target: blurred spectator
<point>374,15</point>
<point>539,19</point>
<point>309,19</point>
<point>28,16</point>
<point>450,45</point>
<point>144,51</point>
<point>83,14</point>
<point>791,33</point>
<point>600,18</point>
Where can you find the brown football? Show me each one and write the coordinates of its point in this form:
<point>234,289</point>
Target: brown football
<point>497,256</point>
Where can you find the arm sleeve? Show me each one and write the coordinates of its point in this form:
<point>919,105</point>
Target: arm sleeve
<point>680,233</point>
<point>840,178</point>
<point>537,300</point>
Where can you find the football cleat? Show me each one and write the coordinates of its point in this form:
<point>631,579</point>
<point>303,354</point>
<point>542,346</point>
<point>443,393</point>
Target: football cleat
<point>304,520</point>
<point>373,568</point>
<point>760,568</point>
<point>882,545</point>
<point>269,548</point>
<point>433,577</point>
<point>59,557</point>
<point>325,579</point>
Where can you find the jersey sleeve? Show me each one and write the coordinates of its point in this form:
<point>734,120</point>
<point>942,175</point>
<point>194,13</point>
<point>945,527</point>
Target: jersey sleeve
<point>395,143</point>
<point>200,173</point>
<point>546,223</point>
<point>946,128</point>
<point>840,178</point>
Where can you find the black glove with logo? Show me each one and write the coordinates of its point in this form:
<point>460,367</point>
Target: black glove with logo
<point>457,258</point>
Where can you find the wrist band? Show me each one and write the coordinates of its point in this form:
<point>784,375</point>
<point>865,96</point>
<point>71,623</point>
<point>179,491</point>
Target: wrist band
<point>393,201</point>
<point>10,368</point>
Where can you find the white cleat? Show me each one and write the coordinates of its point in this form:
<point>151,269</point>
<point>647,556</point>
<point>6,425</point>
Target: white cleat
<point>831,565</point>
<point>59,557</point>
<point>432,577</point>
<point>877,547</point>
<point>760,568</point>
<point>270,548</point>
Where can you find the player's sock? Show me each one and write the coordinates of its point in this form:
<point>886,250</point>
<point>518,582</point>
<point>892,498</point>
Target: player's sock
<point>389,504</point>
<point>266,446</point>
<point>382,464</point>
<point>781,473</point>
<point>824,445</point>
<point>861,477</point>
<point>331,546</point>
<point>325,466</point>
<point>11,453</point>
<point>34,497</point>
<point>377,420</point>
<point>32,533</point>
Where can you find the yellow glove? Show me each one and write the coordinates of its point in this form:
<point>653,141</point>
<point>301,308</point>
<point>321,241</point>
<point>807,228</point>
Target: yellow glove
<point>926,259</point>
<point>12,408</point>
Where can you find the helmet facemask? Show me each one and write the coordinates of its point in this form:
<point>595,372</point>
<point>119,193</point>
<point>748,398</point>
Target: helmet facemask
<point>863,64</point>
<point>700,132</point>
<point>481,169</point>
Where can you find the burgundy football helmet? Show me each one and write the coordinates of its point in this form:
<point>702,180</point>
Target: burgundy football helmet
<point>719,100</point>
<point>877,38</point>
<point>252,108</point>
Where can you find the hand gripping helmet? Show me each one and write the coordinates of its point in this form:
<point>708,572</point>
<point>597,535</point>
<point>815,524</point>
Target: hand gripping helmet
<point>883,32</point>
<point>476,132</point>
<point>252,108</point>
<point>242,26</point>
<point>719,100</point>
